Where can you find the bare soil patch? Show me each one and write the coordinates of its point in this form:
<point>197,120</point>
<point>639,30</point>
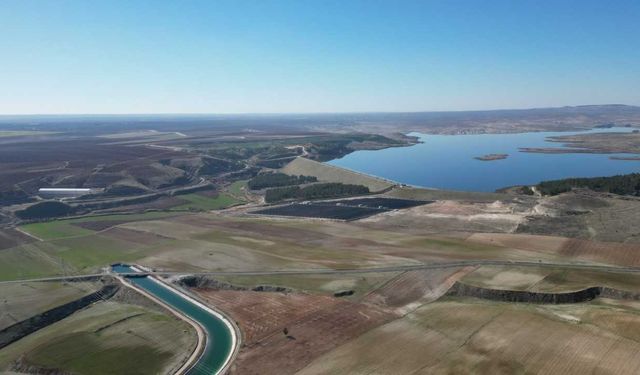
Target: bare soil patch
<point>315,325</point>
<point>10,237</point>
<point>99,225</point>
<point>607,252</point>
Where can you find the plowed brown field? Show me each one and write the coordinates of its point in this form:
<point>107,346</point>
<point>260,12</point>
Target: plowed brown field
<point>624,254</point>
<point>315,325</point>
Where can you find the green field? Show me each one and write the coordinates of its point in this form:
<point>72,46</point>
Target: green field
<point>204,203</point>
<point>27,261</point>
<point>87,254</point>
<point>56,229</point>
<point>20,301</point>
<point>237,187</point>
<point>106,338</point>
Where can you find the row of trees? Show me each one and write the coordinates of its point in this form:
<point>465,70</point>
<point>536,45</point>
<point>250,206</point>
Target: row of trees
<point>266,180</point>
<point>628,184</point>
<point>316,191</point>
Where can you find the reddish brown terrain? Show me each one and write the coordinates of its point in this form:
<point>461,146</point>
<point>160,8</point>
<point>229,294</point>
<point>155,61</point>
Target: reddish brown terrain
<point>315,325</point>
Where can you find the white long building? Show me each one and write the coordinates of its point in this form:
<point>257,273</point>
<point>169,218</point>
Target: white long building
<point>63,192</point>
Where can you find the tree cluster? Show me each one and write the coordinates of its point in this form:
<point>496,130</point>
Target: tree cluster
<point>628,184</point>
<point>266,180</point>
<point>316,191</point>
<point>44,210</point>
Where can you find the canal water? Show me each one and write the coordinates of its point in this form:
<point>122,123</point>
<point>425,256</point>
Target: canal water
<point>219,337</point>
<point>447,161</point>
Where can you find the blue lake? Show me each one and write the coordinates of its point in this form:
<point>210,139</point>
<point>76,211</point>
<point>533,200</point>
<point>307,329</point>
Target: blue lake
<point>447,161</point>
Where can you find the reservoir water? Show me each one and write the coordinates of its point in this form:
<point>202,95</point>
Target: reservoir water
<point>219,336</point>
<point>447,161</point>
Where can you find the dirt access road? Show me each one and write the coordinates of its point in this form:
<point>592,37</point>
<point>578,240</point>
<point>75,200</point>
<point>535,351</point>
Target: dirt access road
<point>426,266</point>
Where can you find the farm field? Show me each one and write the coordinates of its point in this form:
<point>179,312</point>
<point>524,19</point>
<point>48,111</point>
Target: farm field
<point>83,226</point>
<point>106,338</point>
<point>207,242</point>
<point>11,237</point>
<point>411,289</point>
<point>21,301</point>
<point>548,279</point>
<point>627,254</point>
<point>314,325</point>
<point>473,336</point>
<point>27,261</point>
<point>202,202</point>
<point>360,284</point>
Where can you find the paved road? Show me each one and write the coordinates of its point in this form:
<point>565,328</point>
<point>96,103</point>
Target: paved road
<point>412,267</point>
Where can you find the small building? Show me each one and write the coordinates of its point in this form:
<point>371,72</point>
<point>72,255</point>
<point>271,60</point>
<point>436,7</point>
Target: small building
<point>63,192</point>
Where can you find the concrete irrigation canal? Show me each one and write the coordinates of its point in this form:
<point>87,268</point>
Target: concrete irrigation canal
<point>220,335</point>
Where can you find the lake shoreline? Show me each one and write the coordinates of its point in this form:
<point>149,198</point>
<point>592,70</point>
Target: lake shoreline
<point>450,162</point>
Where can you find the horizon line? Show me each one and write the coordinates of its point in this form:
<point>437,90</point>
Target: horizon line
<point>305,113</point>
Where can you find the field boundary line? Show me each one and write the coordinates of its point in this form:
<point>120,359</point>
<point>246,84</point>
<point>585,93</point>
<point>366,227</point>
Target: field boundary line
<point>18,229</point>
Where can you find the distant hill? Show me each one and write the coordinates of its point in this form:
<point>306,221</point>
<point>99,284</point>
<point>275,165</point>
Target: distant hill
<point>445,122</point>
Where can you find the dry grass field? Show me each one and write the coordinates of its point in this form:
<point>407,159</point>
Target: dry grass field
<point>11,237</point>
<point>411,289</point>
<point>395,322</point>
<point>547,279</point>
<point>328,173</point>
<point>624,254</point>
<point>360,284</point>
<point>465,336</point>
<point>23,300</point>
<point>229,241</point>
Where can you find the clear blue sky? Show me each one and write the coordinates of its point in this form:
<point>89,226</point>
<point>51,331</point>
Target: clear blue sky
<point>237,56</point>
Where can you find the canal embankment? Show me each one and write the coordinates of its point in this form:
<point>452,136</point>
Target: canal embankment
<point>218,338</point>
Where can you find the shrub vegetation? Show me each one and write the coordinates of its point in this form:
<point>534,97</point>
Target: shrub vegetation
<point>317,191</point>
<point>266,180</point>
<point>628,184</point>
